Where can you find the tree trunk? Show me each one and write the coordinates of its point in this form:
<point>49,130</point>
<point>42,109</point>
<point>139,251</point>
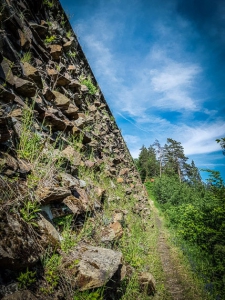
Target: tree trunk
<point>179,173</point>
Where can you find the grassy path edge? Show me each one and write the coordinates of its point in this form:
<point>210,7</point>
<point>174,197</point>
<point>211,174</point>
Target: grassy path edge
<point>177,279</point>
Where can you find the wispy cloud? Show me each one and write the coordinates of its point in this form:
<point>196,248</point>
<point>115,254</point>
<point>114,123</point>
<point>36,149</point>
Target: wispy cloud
<point>174,82</point>
<point>201,139</point>
<point>131,139</point>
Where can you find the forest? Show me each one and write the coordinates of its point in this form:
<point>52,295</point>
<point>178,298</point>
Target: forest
<point>194,210</point>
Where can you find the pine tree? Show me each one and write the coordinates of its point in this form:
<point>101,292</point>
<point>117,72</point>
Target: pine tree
<point>222,144</point>
<point>174,159</point>
<point>152,163</point>
<point>192,173</point>
<point>159,155</point>
<point>142,162</point>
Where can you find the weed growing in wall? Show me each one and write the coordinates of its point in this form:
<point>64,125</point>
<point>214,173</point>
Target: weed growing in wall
<point>30,142</point>
<point>26,57</point>
<point>68,238</point>
<point>48,3</point>
<point>72,54</point>
<point>29,212</point>
<point>51,265</point>
<point>69,34</point>
<point>91,87</point>
<point>26,279</point>
<point>50,39</point>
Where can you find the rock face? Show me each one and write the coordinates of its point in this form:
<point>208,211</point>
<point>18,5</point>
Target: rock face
<point>20,295</point>
<point>63,162</point>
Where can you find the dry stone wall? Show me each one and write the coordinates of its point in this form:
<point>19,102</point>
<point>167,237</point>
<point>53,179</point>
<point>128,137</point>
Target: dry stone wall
<point>63,162</point>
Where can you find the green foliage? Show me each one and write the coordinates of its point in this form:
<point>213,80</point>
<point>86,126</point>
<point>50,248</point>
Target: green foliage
<point>26,57</point>
<point>222,143</point>
<point>51,275</point>
<point>133,247</point>
<point>50,39</point>
<point>197,214</point>
<point>51,262</point>
<point>62,20</point>
<point>69,34</point>
<point>72,54</point>
<point>48,3</point>
<point>29,212</point>
<point>87,295</point>
<point>30,142</point>
<point>68,240</point>
<point>174,159</point>
<point>26,279</point>
<point>147,163</point>
<point>91,87</point>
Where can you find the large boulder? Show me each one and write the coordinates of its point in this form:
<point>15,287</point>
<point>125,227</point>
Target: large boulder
<point>61,101</point>
<point>49,194</point>
<point>55,51</point>
<point>91,267</point>
<point>18,246</point>
<point>24,87</point>
<point>32,73</point>
<point>47,229</point>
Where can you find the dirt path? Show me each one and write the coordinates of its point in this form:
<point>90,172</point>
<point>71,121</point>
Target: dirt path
<point>173,283</point>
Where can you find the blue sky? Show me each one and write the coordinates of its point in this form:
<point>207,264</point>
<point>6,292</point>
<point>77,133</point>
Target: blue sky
<point>160,65</point>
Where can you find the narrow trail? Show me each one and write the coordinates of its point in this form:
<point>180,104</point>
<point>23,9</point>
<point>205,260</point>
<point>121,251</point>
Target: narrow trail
<point>173,282</point>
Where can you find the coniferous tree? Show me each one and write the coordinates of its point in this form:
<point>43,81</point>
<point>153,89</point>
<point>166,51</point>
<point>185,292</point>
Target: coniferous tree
<point>222,144</point>
<point>174,159</point>
<point>192,173</point>
<point>142,162</point>
<point>152,163</point>
<point>159,155</point>
<point>147,163</point>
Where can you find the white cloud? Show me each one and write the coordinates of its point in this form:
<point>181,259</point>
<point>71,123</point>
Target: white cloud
<point>195,140</point>
<point>131,139</point>
<point>103,59</point>
<point>135,152</point>
<point>201,139</point>
<point>208,165</point>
